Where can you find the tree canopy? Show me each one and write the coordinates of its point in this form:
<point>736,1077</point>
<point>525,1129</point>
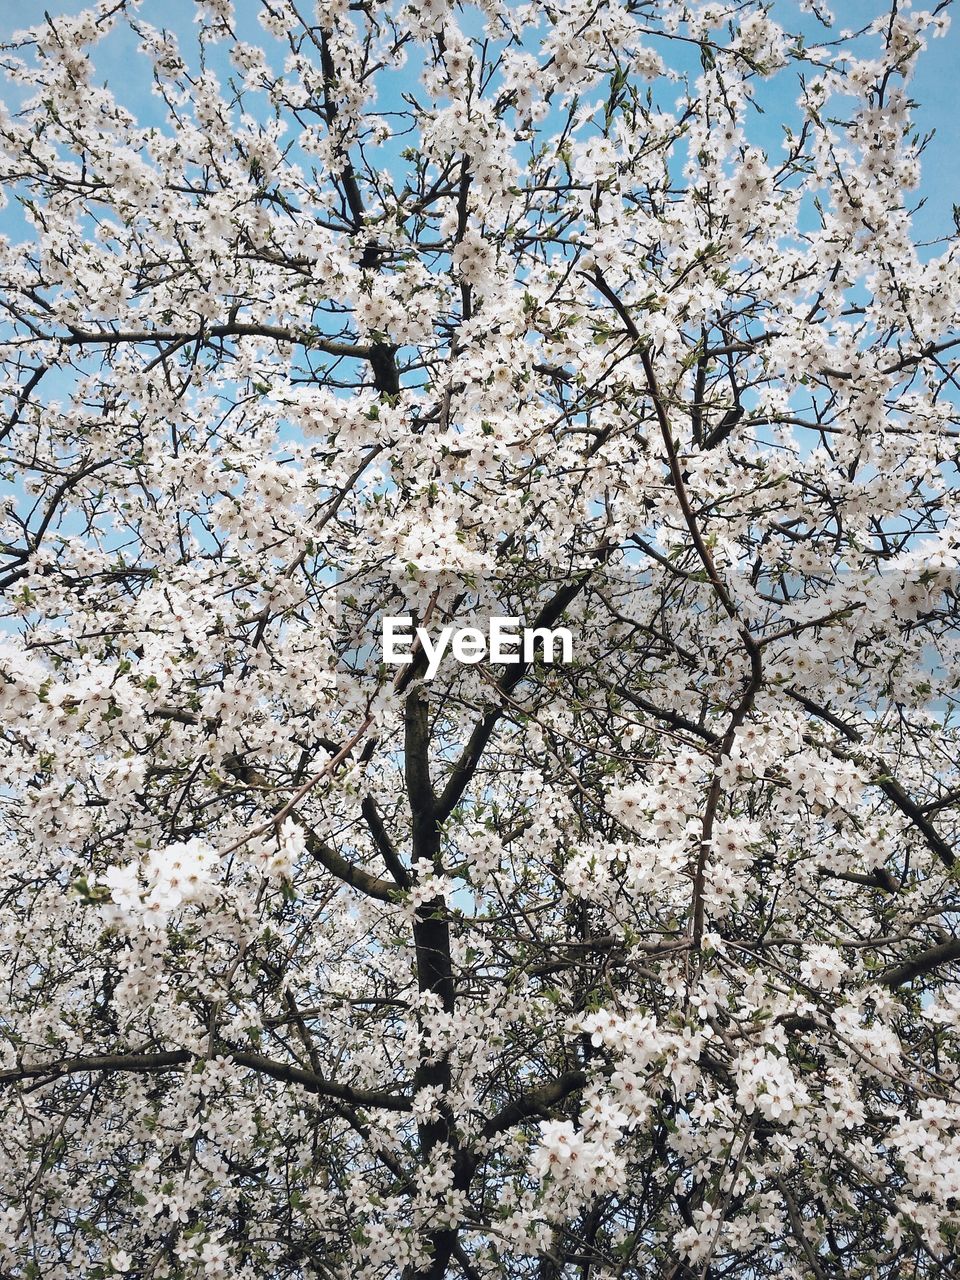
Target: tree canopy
<point>610,314</point>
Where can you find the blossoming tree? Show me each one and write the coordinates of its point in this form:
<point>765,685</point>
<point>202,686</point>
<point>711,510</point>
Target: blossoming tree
<point>640,965</point>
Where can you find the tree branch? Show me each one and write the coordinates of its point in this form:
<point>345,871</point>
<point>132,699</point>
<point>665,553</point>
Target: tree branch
<point>534,1102</point>
<point>352,875</point>
<point>922,963</point>
<point>107,337</point>
<point>469,758</point>
<point>169,1061</point>
<point>891,788</point>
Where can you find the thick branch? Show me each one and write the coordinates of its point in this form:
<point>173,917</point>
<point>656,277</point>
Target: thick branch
<point>107,337</point>
<point>157,1062</point>
<point>352,875</point>
<point>416,758</point>
<point>126,1062</point>
<point>381,839</point>
<point>927,960</point>
<point>469,758</point>
<point>535,1102</point>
